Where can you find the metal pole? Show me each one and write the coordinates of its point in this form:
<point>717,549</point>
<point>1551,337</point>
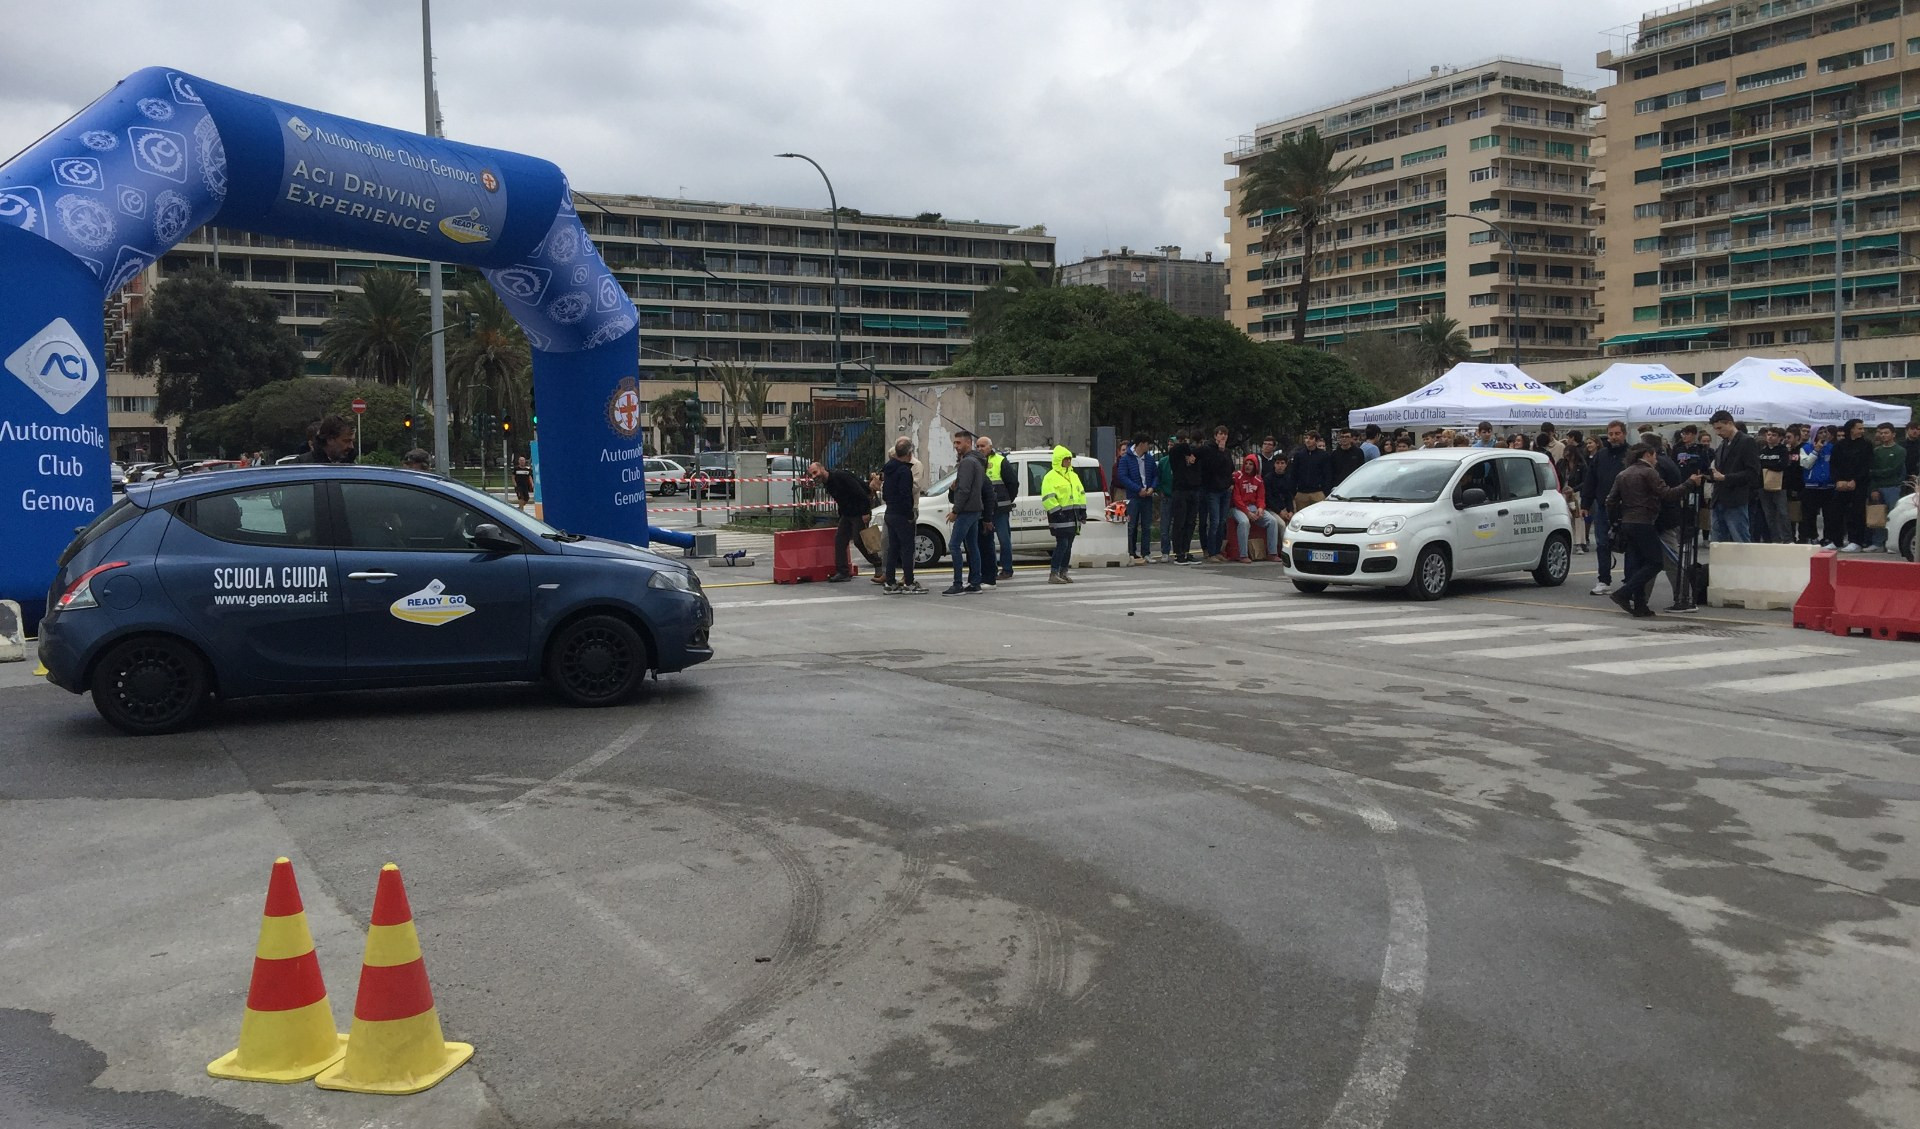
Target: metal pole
<point>442,457</point>
<point>1839,241</point>
<point>833,203</point>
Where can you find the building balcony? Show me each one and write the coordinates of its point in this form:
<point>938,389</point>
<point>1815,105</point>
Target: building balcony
<point>1765,310</point>
<point>1661,38</point>
<point>1588,313</point>
<point>1529,182</point>
<point>1525,280</point>
<point>1575,126</point>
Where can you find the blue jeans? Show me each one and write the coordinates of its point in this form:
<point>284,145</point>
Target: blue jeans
<point>1003,529</point>
<point>1243,531</point>
<point>1888,495</point>
<point>1062,557</point>
<point>1140,527</point>
<point>965,544</point>
<point>1730,523</point>
<point>1164,506</point>
<point>1214,507</point>
<point>1602,542</point>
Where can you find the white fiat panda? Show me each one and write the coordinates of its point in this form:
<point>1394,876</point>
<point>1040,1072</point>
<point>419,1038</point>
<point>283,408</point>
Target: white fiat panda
<point>1417,519</point>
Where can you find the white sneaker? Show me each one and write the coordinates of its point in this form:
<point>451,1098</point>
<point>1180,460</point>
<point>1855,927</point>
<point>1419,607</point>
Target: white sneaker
<point>1600,590</point>
<point>1849,547</point>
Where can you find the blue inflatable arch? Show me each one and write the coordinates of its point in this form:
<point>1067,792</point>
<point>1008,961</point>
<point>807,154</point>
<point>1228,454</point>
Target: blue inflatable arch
<point>89,206</point>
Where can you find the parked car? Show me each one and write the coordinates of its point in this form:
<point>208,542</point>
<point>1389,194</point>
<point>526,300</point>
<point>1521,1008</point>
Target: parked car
<point>665,476</point>
<point>1030,532</point>
<point>117,474</point>
<point>310,578</point>
<point>1900,525</point>
<point>1418,519</point>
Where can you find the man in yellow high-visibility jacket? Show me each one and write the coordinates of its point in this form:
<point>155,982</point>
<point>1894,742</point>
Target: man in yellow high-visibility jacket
<point>1065,499</point>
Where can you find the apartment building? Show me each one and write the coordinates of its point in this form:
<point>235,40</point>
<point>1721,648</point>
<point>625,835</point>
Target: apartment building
<point>715,282</point>
<point>1727,132</point>
<point>1472,196</point>
<point>1195,287</point>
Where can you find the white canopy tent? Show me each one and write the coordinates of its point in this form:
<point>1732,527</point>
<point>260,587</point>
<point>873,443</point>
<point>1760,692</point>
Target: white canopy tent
<point>1468,393</point>
<point>1636,393</point>
<point>1760,390</point>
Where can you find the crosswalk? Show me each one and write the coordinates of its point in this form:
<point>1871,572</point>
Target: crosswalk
<point>1587,654</point>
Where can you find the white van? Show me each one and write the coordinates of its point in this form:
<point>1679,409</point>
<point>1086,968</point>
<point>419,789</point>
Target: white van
<point>1030,533</point>
<point>1418,519</point>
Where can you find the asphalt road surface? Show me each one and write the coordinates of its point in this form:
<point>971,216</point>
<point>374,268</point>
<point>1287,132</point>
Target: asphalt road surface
<point>1169,847</point>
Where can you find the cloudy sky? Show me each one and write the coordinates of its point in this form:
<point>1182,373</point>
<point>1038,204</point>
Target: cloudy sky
<point>1103,119</point>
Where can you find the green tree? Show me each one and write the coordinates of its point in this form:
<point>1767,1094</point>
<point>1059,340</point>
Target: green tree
<point>991,303</point>
<point>274,418</point>
<point>489,363</point>
<point>1295,180</point>
<point>1385,360</point>
<point>758,384</point>
<point>1439,343</point>
<point>210,342</point>
<point>379,333</point>
<point>733,378</point>
<point>676,419</point>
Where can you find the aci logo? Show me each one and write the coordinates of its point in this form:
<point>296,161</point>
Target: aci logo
<point>56,366</point>
<point>300,129</point>
<point>623,408</point>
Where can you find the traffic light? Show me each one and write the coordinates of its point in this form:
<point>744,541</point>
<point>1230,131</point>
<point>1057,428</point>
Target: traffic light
<point>408,422</point>
<point>506,425</point>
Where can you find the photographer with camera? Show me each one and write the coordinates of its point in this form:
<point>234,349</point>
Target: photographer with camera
<point>1634,504</point>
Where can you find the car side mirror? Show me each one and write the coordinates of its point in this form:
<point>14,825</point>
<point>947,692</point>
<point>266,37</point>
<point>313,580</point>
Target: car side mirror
<point>1472,496</point>
<point>493,539</point>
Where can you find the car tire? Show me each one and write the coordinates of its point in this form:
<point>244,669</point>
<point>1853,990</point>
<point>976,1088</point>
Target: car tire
<point>1310,587</point>
<point>1432,572</point>
<point>597,660</point>
<point>1555,561</point>
<point>928,546</point>
<point>151,684</point>
<point>668,489</point>
<point>1906,540</point>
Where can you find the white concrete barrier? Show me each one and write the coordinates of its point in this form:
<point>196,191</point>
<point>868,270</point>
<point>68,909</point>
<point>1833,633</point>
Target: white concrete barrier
<point>1101,544</point>
<point>13,646</point>
<point>1762,577</point>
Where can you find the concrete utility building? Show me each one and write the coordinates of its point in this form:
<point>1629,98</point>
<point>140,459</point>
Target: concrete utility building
<point>1724,135</point>
<point>1195,287</point>
<point>1506,141</point>
<point>714,282</point>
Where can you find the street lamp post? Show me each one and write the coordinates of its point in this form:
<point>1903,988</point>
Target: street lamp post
<point>833,203</point>
<point>1513,271</point>
<point>1839,118</point>
<point>442,460</point>
<point>1166,273</point>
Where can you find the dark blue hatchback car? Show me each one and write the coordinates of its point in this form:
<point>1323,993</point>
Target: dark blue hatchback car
<point>303,578</point>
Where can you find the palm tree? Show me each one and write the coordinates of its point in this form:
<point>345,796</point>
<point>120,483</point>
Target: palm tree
<point>489,365</point>
<point>1296,180</point>
<point>378,333</point>
<point>1440,343</point>
<point>676,419</point>
<point>758,384</point>
<point>733,377</point>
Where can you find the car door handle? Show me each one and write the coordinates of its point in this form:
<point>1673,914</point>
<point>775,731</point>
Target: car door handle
<point>1500,513</point>
<point>1546,505</point>
<point>373,576</point>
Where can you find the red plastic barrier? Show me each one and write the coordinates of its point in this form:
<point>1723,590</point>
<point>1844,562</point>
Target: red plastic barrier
<point>1814,609</point>
<point>1881,598</point>
<point>804,554</point>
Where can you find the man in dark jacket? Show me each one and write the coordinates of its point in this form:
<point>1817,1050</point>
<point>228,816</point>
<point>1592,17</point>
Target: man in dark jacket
<point>1602,469</point>
<point>1216,494</point>
<point>1852,463</point>
<point>1137,474</point>
<point>898,494</point>
<point>1776,461</point>
<point>1735,470</point>
<point>996,515</point>
<point>1913,448</point>
<point>331,442</point>
<point>1185,462</point>
<point>1312,472</point>
<point>1346,458</point>
<point>970,497</point>
<point>856,513</point>
<point>1639,494</point>
<point>1278,480</point>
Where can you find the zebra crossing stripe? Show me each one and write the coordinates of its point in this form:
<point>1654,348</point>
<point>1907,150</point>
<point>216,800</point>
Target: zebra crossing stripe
<point>1250,603</point>
<point>1670,664</point>
<point>1629,642</point>
<point>1814,679</point>
<point>1142,598</point>
<point>1422,621</point>
<point>1898,705</point>
<point>791,602</point>
<point>1103,587</point>
<point>1480,633</point>
<point>1319,611</point>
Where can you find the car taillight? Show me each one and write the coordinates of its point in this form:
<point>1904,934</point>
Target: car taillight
<point>79,594</point>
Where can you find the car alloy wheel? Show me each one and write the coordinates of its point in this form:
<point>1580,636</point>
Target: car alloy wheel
<point>1431,573</point>
<point>598,661</point>
<point>1555,562</point>
<point>150,685</point>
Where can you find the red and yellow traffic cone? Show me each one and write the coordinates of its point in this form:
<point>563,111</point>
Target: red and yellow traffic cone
<point>287,1033</point>
<point>395,1046</point>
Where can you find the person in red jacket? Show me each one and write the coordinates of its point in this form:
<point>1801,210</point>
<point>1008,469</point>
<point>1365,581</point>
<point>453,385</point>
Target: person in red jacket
<point>1250,510</point>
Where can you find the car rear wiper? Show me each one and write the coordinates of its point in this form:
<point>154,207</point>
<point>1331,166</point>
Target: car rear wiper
<point>563,535</point>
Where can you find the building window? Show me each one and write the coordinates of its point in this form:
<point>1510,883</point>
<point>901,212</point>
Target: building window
<point>1487,142</point>
<point>1879,370</point>
<point>1860,58</point>
<point>1480,174</point>
<point>1480,331</point>
<point>1487,205</point>
<point>1482,300</point>
<point>1646,278</point>
<point>1646,313</point>
<point>1482,268</point>
<point>1421,157</point>
<point>1647,140</point>
<point>1372,167</point>
<point>1646,176</point>
<point>1773,77</point>
<point>1651,211</point>
<point>146,404</point>
<point>1650,243</point>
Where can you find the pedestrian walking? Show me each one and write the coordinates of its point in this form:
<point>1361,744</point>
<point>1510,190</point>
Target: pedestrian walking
<point>902,503</point>
<point>1634,500</point>
<point>969,497</point>
<point>523,481</point>
<point>1065,500</point>
<point>856,513</point>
